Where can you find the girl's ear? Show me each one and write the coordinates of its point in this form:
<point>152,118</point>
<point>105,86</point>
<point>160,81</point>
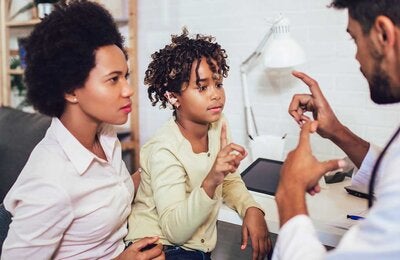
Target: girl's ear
<point>71,98</point>
<point>172,99</point>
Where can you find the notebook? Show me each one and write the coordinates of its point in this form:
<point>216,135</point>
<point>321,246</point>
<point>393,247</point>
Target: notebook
<point>262,176</point>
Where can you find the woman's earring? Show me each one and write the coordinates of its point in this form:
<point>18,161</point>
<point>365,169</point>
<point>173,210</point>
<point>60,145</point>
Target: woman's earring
<point>75,100</point>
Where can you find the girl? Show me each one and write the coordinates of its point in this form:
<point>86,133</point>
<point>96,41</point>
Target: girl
<point>189,166</point>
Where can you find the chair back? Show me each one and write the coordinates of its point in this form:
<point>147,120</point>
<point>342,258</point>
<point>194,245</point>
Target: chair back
<point>5,220</point>
<point>19,134</point>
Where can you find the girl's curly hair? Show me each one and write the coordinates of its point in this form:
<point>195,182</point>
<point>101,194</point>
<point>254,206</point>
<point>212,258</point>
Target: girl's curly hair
<point>171,66</point>
<point>61,52</point>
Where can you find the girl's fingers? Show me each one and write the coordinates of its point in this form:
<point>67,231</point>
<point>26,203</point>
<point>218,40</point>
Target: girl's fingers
<point>223,138</point>
<point>233,148</point>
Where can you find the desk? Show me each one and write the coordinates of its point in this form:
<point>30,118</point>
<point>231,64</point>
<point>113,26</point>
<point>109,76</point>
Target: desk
<point>327,208</point>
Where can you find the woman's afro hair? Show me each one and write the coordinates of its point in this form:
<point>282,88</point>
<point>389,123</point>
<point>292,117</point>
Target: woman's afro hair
<point>61,52</point>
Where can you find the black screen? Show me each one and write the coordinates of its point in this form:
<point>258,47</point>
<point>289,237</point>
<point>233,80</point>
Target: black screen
<point>262,176</point>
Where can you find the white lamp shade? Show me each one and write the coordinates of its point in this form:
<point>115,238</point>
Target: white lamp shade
<point>278,50</point>
<point>281,50</point>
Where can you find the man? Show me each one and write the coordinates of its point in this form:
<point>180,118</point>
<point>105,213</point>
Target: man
<point>375,27</point>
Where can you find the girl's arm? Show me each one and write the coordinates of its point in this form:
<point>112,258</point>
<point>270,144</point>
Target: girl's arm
<point>181,213</point>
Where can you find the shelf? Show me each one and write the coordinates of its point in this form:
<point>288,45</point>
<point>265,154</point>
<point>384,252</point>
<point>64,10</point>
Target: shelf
<point>19,28</point>
<point>16,71</point>
<point>33,22</point>
<point>23,23</point>
<point>121,21</point>
<point>128,146</point>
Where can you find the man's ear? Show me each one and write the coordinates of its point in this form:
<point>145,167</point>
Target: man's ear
<point>385,32</point>
<point>71,98</point>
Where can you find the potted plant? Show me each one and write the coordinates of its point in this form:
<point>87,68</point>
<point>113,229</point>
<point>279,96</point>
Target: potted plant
<point>17,81</point>
<point>18,88</point>
<point>44,7</point>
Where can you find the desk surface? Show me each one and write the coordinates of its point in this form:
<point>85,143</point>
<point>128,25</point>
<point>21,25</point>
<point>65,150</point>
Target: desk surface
<point>328,211</point>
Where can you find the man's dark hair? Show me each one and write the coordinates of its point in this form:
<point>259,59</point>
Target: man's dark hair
<point>61,52</point>
<point>170,67</point>
<point>366,11</point>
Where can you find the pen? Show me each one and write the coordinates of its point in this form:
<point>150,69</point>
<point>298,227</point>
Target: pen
<point>354,217</point>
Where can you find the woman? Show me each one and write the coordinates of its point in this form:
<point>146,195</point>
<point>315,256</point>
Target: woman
<point>73,196</point>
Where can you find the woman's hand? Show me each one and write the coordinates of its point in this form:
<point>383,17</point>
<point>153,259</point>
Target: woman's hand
<point>134,251</point>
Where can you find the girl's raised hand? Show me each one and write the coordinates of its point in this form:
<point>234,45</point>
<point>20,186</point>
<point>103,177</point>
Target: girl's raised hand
<point>227,161</point>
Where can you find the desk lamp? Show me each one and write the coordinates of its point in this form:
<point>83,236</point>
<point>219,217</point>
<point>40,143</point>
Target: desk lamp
<point>279,50</point>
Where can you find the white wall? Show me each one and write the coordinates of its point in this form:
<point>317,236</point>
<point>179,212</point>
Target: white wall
<point>239,26</point>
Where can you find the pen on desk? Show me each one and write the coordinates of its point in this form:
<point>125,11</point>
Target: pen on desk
<point>354,217</point>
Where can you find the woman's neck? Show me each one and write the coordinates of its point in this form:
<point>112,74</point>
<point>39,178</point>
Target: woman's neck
<point>85,131</point>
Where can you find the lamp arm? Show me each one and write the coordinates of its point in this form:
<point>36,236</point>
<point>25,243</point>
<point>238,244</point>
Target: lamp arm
<point>251,126</point>
<point>245,65</point>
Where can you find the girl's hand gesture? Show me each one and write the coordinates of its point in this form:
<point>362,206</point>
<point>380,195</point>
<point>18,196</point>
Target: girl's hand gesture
<point>227,161</point>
